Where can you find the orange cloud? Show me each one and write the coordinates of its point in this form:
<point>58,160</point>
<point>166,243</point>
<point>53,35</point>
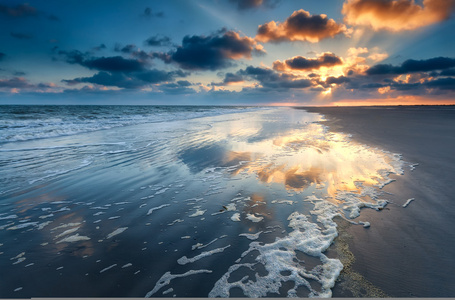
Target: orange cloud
<point>396,15</point>
<point>300,26</point>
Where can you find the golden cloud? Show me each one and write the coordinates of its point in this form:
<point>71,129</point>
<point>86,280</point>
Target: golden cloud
<point>396,15</point>
<point>300,26</point>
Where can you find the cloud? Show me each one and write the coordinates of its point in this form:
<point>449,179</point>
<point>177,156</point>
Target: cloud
<point>448,72</point>
<point>2,56</point>
<point>305,64</point>
<point>134,80</point>
<point>110,64</point>
<point>148,13</point>
<point>270,79</point>
<point>21,10</point>
<point>336,80</point>
<point>300,26</point>
<point>114,64</point>
<point>15,82</point>
<point>100,47</point>
<point>178,88</point>
<point>442,83</point>
<point>251,4</point>
<point>21,36</point>
<point>412,66</point>
<point>396,15</point>
<point>157,40</point>
<point>229,78</point>
<point>211,52</point>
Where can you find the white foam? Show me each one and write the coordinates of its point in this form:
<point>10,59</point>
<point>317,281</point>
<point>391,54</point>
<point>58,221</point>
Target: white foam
<point>127,265</point>
<point>9,217</point>
<point>115,232</point>
<point>289,202</point>
<point>175,221</point>
<point>184,260</point>
<point>74,238</point>
<point>46,216</point>
<point>407,202</point>
<point>168,277</point>
<point>199,212</point>
<point>253,218</point>
<point>161,191</point>
<point>200,246</point>
<point>280,256</point>
<point>44,224</point>
<point>236,217</point>
<point>170,290</point>
<point>66,225</point>
<point>251,236</point>
<point>108,268</point>
<point>23,225</point>
<point>18,289</point>
<point>156,208</point>
<point>19,260</point>
<point>66,232</point>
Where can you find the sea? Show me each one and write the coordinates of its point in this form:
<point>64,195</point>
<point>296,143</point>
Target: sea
<point>183,201</point>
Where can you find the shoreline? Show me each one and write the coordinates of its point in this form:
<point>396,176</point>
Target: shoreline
<point>407,251</point>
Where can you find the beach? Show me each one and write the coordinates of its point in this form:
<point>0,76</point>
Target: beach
<point>226,202</point>
<point>407,251</point>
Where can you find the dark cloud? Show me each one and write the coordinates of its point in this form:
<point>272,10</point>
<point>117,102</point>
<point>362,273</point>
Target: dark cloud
<point>108,79</point>
<point>228,79</point>
<point>21,10</point>
<point>155,76</point>
<point>125,49</point>
<point>99,48</point>
<point>131,49</point>
<point>336,80</point>
<point>149,13</point>
<point>15,82</point>
<point>300,26</point>
<point>305,64</point>
<point>158,40</point>
<point>2,56</point>
<point>114,64</point>
<point>449,72</point>
<point>133,80</point>
<point>21,36</point>
<point>396,15</point>
<point>184,83</point>
<point>250,4</point>
<point>211,52</point>
<point>166,57</point>
<point>270,79</point>
<point>110,64</point>
<point>176,88</point>
<point>442,83</point>
<point>22,83</point>
<point>412,66</point>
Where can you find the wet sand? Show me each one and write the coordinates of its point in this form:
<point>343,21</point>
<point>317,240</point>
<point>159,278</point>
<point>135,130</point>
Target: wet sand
<point>408,251</point>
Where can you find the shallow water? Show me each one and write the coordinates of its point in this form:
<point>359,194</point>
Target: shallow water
<point>234,202</point>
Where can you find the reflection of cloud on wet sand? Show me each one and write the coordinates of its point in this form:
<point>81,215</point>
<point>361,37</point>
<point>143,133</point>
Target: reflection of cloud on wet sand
<point>312,157</point>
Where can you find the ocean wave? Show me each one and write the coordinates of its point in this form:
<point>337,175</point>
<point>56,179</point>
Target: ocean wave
<point>23,123</point>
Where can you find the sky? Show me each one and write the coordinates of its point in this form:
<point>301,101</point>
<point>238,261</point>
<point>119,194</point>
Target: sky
<point>228,52</point>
